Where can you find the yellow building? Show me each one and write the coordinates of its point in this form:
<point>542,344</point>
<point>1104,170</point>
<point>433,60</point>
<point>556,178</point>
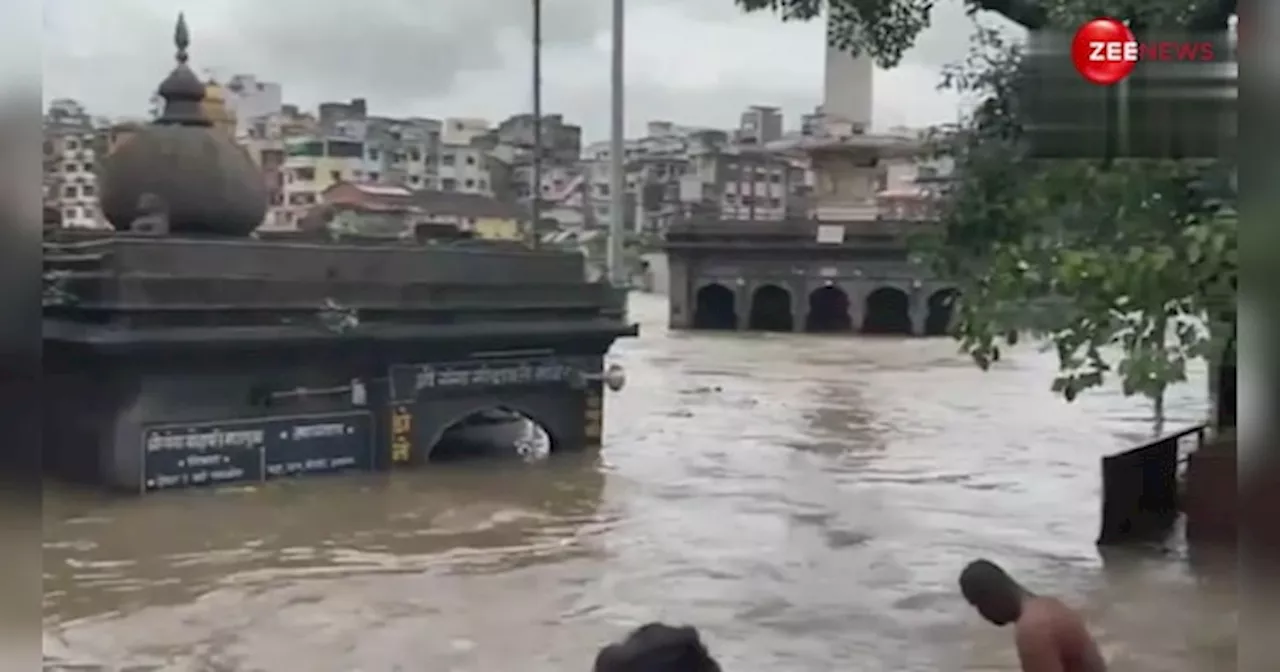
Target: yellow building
<point>485,216</point>
<point>216,110</point>
<point>498,228</point>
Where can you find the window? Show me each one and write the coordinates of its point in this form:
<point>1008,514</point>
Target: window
<point>72,144</point>
<point>71,168</point>
<point>373,154</point>
<point>471,160</point>
<point>775,202</point>
<point>373,177</point>
<point>87,190</point>
<point>602,189</point>
<point>414,180</point>
<point>470,184</point>
<point>415,155</point>
<point>345,150</point>
<point>335,175</point>
<point>448,160</point>
<point>88,167</point>
<point>484,184</point>
<point>70,192</point>
<point>304,174</point>
<point>72,213</point>
<point>448,184</point>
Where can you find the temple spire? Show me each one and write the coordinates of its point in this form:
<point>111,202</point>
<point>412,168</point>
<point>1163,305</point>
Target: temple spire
<point>182,91</point>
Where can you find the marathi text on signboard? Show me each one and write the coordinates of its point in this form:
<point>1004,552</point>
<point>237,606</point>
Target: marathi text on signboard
<point>257,449</point>
<point>407,380</point>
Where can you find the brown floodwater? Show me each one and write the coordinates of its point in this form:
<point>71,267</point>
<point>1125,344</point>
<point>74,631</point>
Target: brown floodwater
<point>806,501</point>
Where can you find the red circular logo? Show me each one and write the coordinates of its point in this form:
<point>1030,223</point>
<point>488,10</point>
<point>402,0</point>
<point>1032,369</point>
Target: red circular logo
<point>1104,51</point>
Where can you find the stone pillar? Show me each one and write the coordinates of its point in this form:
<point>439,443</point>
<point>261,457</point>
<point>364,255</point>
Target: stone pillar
<point>679,294</point>
<point>919,313</point>
<point>857,294</point>
<point>799,305</point>
<point>742,305</point>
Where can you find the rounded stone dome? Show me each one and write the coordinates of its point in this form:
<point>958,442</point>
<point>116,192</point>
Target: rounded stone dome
<point>200,178</point>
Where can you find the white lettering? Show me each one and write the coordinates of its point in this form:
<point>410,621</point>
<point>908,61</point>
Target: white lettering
<point>1113,52</point>
<point>319,431</point>
<point>204,460</point>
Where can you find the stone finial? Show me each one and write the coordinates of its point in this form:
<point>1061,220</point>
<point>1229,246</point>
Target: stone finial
<point>182,91</point>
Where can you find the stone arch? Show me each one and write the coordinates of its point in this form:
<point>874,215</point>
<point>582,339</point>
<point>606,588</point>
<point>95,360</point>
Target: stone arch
<point>888,312</point>
<point>498,424</point>
<point>941,310</point>
<point>770,309</point>
<point>828,311</point>
<point>715,308</point>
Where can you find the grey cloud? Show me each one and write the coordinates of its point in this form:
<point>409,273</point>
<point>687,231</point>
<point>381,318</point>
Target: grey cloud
<point>446,57</point>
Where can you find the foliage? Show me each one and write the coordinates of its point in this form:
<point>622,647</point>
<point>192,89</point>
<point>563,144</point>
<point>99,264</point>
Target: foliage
<point>1126,267</point>
<point>886,29</point>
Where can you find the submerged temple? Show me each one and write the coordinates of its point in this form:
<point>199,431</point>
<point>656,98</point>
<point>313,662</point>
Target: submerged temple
<point>180,350</point>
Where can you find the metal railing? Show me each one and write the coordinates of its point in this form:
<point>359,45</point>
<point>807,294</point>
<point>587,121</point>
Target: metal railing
<point>1141,488</point>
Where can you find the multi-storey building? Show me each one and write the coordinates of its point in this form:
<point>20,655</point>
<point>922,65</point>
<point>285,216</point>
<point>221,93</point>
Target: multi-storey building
<point>462,131</point>
<point>73,145</point>
<point>250,98</point>
<point>314,163</point>
<point>760,124</point>
<point>403,151</point>
<point>561,142</point>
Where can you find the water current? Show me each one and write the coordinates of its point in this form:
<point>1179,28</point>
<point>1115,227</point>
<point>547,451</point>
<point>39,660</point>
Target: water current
<point>805,501</point>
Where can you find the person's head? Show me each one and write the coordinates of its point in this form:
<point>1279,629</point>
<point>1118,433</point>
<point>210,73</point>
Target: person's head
<point>992,592</point>
<point>657,647</point>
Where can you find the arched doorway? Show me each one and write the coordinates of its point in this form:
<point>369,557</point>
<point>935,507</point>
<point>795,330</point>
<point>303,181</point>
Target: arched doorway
<point>714,308</point>
<point>888,312</point>
<point>770,309</point>
<point>942,303</point>
<point>493,433</point>
<point>828,311</point>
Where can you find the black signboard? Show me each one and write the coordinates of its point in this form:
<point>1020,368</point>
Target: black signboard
<point>409,380</point>
<point>256,449</point>
<point>320,444</point>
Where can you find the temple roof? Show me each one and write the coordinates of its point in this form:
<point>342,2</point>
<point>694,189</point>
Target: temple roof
<point>183,169</point>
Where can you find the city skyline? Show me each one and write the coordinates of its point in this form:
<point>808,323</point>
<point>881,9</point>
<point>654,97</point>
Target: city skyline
<point>706,82</point>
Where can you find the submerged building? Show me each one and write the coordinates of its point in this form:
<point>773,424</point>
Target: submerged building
<point>843,265</point>
<point>180,350</point>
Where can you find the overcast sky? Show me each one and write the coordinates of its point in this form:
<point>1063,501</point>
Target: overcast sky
<point>695,62</point>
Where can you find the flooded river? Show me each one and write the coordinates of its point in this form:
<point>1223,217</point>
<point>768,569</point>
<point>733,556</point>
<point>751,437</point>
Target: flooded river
<point>806,501</point>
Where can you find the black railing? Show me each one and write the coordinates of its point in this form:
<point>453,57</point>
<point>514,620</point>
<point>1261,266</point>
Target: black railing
<point>1141,487</point>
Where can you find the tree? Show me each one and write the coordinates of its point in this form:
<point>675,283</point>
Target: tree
<point>1126,267</point>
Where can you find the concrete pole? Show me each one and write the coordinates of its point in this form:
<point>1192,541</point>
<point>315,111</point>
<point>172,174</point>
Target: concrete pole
<point>617,159</point>
<point>535,189</point>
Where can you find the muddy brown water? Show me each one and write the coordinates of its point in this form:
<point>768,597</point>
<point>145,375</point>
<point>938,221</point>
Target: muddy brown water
<point>805,501</point>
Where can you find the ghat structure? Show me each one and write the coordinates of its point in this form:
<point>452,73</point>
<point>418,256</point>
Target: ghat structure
<point>181,351</point>
<point>843,269</point>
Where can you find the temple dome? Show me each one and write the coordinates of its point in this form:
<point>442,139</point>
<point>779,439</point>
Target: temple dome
<point>207,183</point>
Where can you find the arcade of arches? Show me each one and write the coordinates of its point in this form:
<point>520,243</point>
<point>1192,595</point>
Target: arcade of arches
<point>887,311</point>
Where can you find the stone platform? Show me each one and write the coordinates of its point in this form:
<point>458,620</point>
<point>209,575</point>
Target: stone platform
<point>172,362</point>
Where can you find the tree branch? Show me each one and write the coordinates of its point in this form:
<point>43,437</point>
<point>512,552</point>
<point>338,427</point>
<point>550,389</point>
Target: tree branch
<point>1027,13</point>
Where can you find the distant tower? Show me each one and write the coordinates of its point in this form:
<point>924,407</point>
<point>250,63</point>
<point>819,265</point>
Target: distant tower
<point>847,90</point>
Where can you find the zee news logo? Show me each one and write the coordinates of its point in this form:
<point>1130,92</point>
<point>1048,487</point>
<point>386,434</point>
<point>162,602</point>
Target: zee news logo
<point>1104,51</point>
